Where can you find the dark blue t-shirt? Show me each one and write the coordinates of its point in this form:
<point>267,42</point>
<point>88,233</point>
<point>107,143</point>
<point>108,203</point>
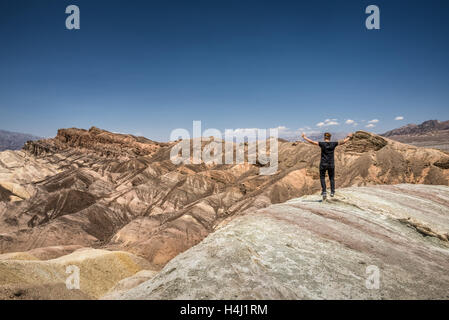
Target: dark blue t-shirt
<point>327,153</point>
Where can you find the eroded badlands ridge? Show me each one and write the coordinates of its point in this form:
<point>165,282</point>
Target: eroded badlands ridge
<point>93,188</point>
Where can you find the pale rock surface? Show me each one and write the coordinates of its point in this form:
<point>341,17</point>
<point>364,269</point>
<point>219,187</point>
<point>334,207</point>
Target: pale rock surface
<point>129,283</point>
<point>307,249</point>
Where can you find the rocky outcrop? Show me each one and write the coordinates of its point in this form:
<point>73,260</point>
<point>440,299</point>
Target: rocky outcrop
<point>307,249</point>
<point>94,188</point>
<point>100,142</point>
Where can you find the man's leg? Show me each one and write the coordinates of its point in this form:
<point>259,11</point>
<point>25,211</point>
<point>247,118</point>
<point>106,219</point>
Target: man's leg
<point>331,172</point>
<point>323,179</point>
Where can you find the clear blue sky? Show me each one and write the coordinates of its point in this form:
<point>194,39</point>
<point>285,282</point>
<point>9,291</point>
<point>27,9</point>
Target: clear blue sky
<point>147,67</point>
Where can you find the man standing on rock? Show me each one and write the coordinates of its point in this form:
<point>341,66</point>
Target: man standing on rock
<point>327,160</point>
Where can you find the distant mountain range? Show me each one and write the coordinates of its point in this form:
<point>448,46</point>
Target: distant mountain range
<point>429,134</point>
<point>419,129</point>
<point>14,140</point>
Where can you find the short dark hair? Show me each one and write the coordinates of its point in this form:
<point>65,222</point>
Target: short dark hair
<point>327,136</point>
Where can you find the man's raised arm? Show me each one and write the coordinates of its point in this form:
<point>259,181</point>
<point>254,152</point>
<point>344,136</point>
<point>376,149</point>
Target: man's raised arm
<point>309,140</point>
<point>345,139</point>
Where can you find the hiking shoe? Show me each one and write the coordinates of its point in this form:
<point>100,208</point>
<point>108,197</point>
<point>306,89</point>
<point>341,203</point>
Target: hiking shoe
<point>324,194</point>
<point>332,194</point>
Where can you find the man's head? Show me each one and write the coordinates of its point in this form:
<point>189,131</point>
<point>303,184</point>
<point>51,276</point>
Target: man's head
<point>327,136</point>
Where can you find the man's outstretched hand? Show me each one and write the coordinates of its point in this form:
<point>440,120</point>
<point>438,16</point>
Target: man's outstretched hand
<point>308,140</point>
<point>348,137</point>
